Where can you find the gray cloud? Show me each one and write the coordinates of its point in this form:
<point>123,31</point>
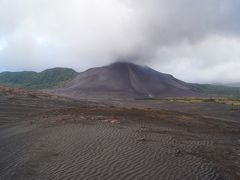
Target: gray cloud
<point>193,40</point>
<point>167,23</point>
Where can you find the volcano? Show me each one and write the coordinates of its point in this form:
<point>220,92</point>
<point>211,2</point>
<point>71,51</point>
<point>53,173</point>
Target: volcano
<point>123,79</point>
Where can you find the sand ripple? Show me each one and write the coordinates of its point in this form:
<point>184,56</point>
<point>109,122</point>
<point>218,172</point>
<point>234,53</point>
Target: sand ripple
<point>100,150</point>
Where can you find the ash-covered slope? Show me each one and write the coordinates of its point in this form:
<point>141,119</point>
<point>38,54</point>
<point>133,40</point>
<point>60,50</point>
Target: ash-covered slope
<point>123,79</point>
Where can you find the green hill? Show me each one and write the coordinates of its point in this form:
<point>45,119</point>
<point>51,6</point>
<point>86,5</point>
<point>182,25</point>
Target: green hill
<point>46,79</point>
<point>237,84</point>
<point>216,89</point>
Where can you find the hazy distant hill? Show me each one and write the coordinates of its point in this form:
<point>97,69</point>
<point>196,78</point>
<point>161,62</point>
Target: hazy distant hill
<point>210,89</point>
<point>33,80</point>
<point>124,80</point>
<point>237,84</point>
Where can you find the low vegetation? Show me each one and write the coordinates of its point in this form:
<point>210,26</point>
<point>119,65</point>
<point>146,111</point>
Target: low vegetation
<point>220,100</point>
<point>233,102</point>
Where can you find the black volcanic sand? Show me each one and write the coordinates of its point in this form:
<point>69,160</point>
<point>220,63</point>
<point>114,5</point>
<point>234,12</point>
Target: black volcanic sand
<point>51,138</point>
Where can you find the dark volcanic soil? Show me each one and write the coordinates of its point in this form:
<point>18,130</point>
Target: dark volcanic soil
<point>48,137</point>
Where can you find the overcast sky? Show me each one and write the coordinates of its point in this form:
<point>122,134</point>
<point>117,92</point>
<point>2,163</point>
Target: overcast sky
<point>196,41</point>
